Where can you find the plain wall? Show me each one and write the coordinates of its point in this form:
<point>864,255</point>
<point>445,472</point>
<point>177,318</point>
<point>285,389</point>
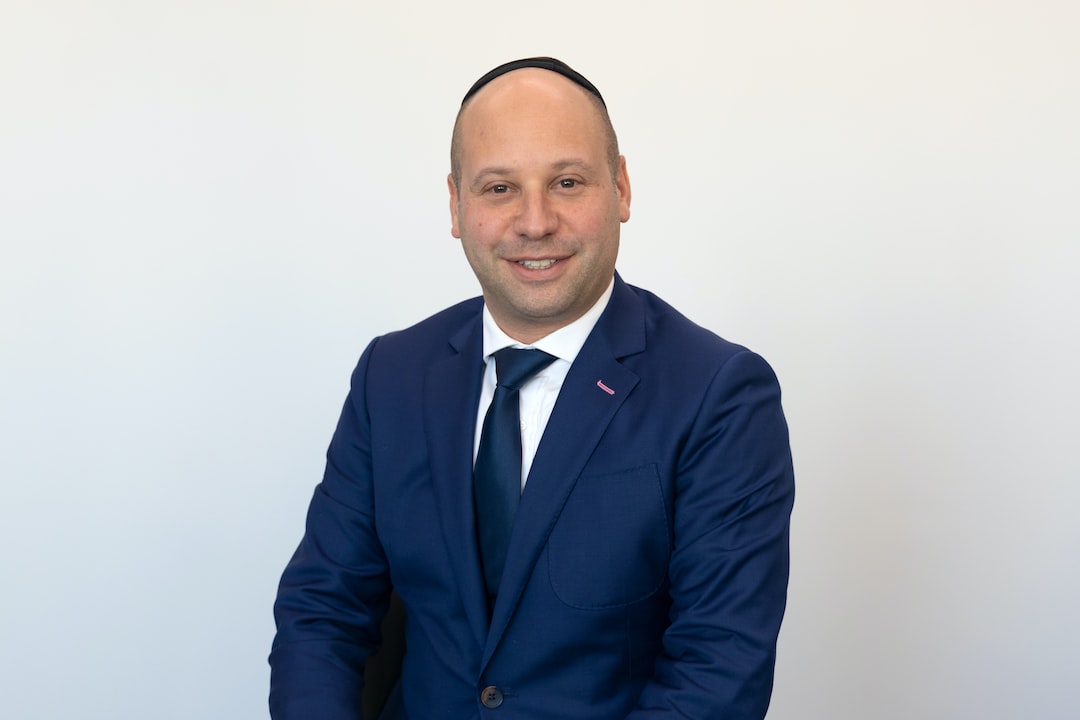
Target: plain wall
<point>207,209</point>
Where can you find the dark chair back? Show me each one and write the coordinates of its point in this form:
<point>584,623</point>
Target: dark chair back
<point>384,667</point>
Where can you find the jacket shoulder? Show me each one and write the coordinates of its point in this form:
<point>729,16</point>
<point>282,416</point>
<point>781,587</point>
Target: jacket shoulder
<point>434,333</point>
<point>667,327</point>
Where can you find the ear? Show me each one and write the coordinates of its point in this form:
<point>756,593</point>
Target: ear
<point>622,187</point>
<point>455,226</point>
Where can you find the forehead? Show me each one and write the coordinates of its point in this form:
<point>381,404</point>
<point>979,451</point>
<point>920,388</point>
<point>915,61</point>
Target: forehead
<point>528,110</point>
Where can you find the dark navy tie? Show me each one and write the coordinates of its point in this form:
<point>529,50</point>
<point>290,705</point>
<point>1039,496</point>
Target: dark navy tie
<point>497,472</point>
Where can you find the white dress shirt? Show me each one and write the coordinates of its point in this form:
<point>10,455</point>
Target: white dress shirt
<point>536,399</point>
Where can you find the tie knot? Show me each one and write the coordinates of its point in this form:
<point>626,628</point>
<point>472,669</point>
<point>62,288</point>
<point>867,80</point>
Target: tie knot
<point>516,366</point>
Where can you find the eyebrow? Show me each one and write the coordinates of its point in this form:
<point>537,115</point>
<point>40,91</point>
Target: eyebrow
<point>503,170</point>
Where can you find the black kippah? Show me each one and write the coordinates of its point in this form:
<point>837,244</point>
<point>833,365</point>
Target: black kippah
<point>545,63</point>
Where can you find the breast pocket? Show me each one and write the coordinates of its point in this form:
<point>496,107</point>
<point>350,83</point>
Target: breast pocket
<point>612,541</point>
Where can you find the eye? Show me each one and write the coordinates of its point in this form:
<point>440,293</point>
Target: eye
<point>568,183</point>
<point>499,189</point>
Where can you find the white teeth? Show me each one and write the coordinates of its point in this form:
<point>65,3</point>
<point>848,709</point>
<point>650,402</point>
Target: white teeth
<point>537,264</point>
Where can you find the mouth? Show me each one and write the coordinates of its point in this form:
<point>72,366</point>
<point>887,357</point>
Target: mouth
<point>537,264</point>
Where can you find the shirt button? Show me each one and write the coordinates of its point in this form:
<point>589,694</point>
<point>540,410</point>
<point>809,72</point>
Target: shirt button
<point>491,697</point>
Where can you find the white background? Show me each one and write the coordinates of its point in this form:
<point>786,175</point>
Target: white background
<point>208,208</point>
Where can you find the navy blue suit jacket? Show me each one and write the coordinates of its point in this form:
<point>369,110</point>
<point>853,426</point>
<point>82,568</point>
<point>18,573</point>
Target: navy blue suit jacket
<point>647,570</point>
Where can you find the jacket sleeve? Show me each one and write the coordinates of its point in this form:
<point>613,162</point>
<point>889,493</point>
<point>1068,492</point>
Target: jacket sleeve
<point>335,589</point>
<point>729,564</point>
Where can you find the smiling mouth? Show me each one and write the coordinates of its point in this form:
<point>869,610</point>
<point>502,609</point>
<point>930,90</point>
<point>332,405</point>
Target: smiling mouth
<point>537,264</point>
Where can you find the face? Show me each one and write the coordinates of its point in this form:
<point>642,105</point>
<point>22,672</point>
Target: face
<point>538,209</point>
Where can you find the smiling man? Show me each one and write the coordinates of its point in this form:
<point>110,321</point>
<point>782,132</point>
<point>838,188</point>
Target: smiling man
<point>581,498</point>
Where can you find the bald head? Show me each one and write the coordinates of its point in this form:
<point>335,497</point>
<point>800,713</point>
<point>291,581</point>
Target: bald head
<point>538,96</point>
<point>537,196</point>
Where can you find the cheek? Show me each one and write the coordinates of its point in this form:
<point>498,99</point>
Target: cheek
<point>476,222</point>
<point>593,226</point>
<point>594,218</point>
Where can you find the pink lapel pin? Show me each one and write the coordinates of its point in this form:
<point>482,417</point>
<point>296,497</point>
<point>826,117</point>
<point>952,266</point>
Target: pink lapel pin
<point>600,384</point>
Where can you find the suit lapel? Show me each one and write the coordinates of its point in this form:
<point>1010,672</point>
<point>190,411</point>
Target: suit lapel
<point>451,393</point>
<point>592,393</point>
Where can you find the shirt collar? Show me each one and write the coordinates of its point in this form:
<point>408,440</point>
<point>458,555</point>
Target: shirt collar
<point>565,343</point>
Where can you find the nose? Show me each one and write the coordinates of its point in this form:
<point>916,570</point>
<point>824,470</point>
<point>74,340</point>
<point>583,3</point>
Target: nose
<point>536,218</point>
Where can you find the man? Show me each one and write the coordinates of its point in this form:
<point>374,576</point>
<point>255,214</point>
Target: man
<point>638,567</point>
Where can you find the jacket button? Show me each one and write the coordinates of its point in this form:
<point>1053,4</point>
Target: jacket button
<point>491,697</point>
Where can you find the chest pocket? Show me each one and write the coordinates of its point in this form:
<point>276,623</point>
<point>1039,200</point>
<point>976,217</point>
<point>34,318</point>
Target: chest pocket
<point>612,541</point>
